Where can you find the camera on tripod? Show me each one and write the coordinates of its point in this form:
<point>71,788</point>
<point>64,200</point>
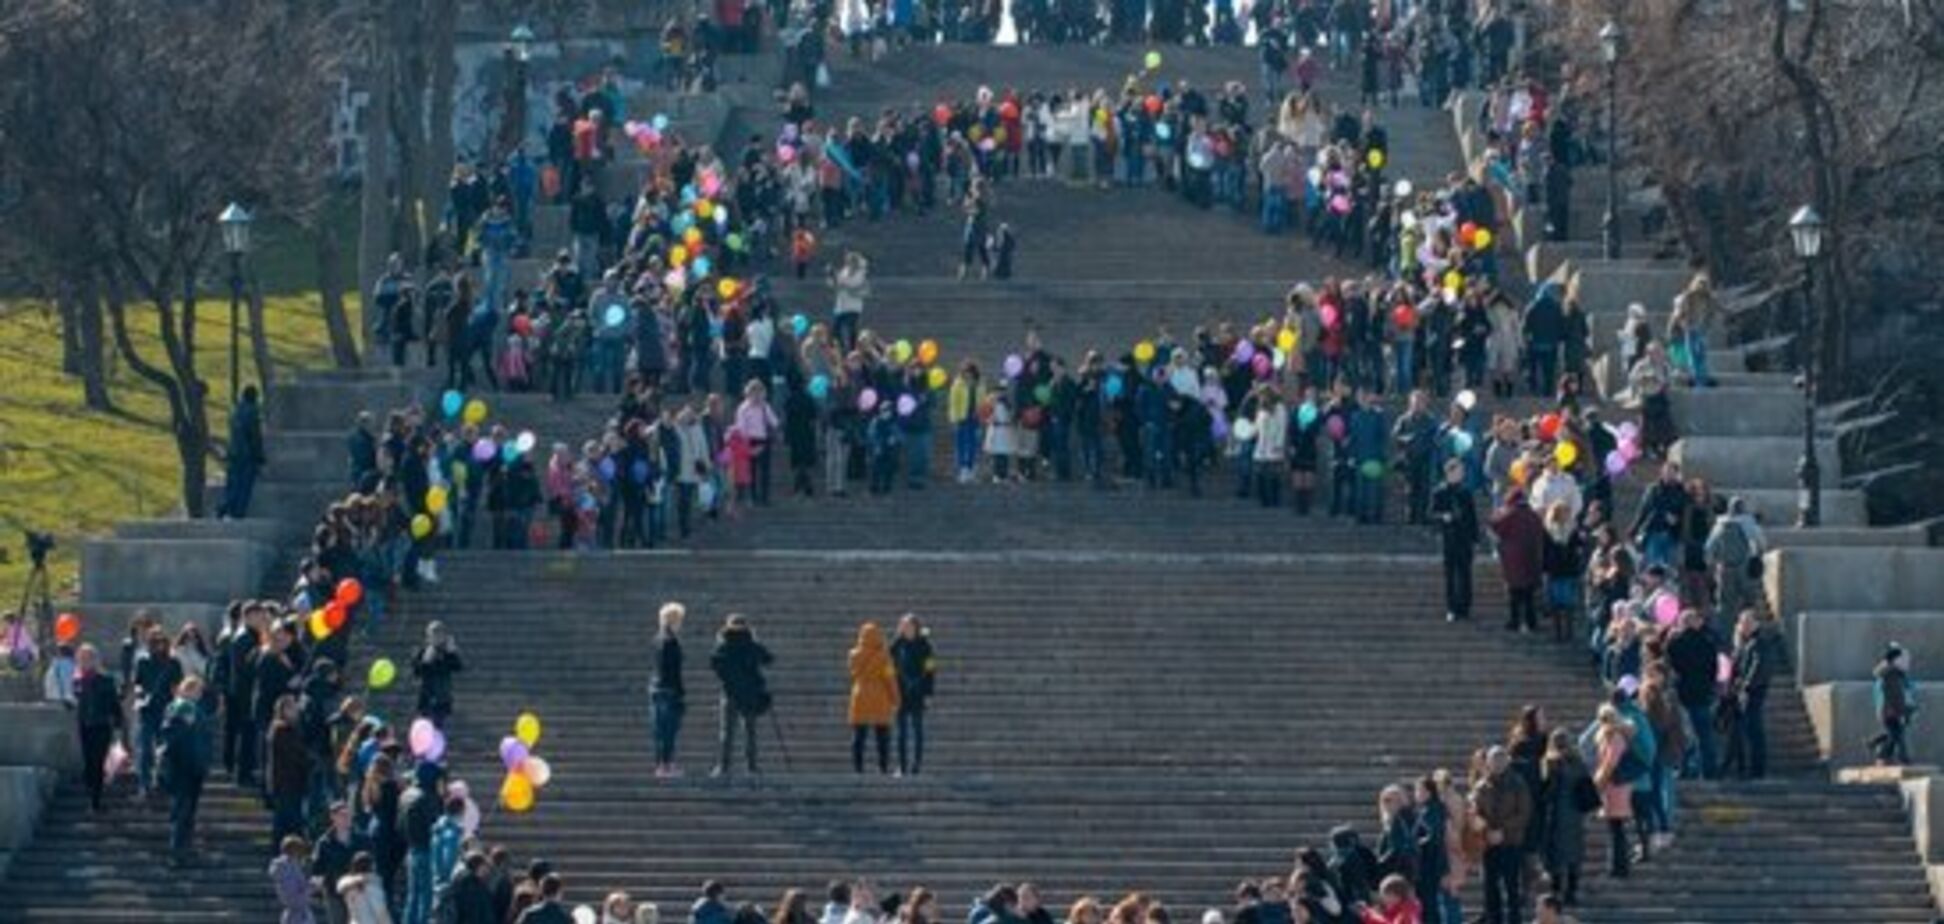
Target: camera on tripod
<point>38,545</point>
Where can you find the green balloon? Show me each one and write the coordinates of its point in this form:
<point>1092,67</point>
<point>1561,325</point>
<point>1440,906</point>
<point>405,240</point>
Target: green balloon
<point>735,242</point>
<point>1044,394</point>
<point>1372,469</point>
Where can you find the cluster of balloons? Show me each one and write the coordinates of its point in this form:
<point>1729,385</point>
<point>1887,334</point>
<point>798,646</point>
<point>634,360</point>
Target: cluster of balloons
<point>646,135</point>
<point>526,772</point>
<point>1474,238</point>
<point>455,406</point>
<point>924,355</point>
<point>332,616</point>
<point>1627,450</point>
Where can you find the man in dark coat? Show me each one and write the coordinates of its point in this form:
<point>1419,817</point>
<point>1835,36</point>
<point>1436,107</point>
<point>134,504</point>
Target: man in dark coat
<point>1521,547</point>
<point>98,716</point>
<point>738,662</point>
<point>245,456</point>
<point>1504,806</point>
<point>1456,514</point>
<point>1694,654</point>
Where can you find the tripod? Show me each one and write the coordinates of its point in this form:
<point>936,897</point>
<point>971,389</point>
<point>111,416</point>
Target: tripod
<point>37,604</point>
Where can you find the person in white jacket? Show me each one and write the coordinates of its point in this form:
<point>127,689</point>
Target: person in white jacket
<point>1271,446</point>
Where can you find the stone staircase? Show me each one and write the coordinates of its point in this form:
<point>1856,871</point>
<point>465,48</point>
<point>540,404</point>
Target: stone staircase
<point>1138,690</point>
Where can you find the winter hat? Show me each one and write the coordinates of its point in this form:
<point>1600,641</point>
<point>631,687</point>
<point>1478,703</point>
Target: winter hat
<point>1893,652</point>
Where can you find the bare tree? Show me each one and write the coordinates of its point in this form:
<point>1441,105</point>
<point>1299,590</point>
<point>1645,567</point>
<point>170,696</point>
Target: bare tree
<point>133,122</point>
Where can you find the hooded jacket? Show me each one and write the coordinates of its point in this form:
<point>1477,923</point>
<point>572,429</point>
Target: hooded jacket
<point>738,662</point>
<point>874,682</point>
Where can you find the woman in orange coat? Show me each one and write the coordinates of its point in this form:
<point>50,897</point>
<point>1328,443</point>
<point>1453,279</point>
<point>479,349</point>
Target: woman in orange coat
<point>873,697</point>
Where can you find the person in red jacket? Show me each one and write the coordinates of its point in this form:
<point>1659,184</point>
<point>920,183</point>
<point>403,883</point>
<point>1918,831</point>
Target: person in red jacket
<point>1522,540</point>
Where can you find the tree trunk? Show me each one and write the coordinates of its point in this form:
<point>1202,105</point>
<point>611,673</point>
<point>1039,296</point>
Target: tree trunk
<point>93,343</point>
<point>266,365</point>
<point>375,240</point>
<point>330,293</point>
<point>441,17</point>
<point>68,304</point>
<point>408,83</point>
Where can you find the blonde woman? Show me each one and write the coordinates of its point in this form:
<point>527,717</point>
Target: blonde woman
<point>667,699</point>
<point>1612,737</point>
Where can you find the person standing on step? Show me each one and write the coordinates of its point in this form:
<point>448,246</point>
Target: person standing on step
<point>917,666</point>
<point>1895,695</point>
<point>1567,793</point>
<point>234,675</point>
<point>873,696</point>
<point>331,859</point>
<point>666,696</point>
<point>98,717</point>
<point>289,771</point>
<point>738,662</point>
<point>245,457</point>
<point>1416,435</point>
<point>852,282</point>
<point>184,762</point>
<point>156,674</point>
<point>1613,741</point>
<point>1521,538</point>
<point>291,883</point>
<point>418,811</point>
<point>1693,653</point>
<point>1504,807</point>
<point>1455,510</point>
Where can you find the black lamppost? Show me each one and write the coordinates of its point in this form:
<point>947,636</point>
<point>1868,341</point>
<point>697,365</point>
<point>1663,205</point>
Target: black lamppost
<point>1610,39</point>
<point>235,224</point>
<point>519,50</point>
<point>1806,227</point>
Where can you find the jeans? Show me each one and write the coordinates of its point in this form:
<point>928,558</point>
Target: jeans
<point>1275,211</point>
<point>1091,455</point>
<point>911,736</point>
<point>1404,357</point>
<point>147,733</point>
<point>883,734</point>
<point>1697,350</point>
<point>918,446</point>
<point>730,716</point>
<point>965,444</point>
<point>494,279</point>
<point>418,886</point>
<point>1523,611</point>
<point>1370,499</point>
<point>1657,548</point>
<point>1504,865</point>
<point>1545,368</point>
<point>1458,580</point>
<point>1701,720</point>
<point>667,709</point>
<point>239,740</point>
<point>238,484</point>
<point>187,795</point>
<point>1890,746</point>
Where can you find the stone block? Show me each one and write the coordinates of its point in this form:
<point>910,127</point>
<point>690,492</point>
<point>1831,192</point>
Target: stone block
<point>1610,286</point>
<point>1803,580</point>
<point>39,735</point>
<point>191,570</point>
<point>1791,537</point>
<point>1845,644</point>
<point>1733,462</point>
<point>24,794</point>
<point>263,532</point>
<point>1738,411</point>
<point>1840,508</point>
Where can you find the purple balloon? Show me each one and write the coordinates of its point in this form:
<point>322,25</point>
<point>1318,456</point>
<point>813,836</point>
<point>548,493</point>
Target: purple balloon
<point>1262,365</point>
<point>1218,427</point>
<point>867,399</point>
<point>906,405</point>
<point>1616,463</point>
<point>512,751</point>
<point>1244,352</point>
<point>484,450</point>
<point>434,748</point>
<point>1335,428</point>
<point>1014,365</point>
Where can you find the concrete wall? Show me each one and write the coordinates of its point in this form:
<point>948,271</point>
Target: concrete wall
<point>1754,462</point>
<point>1739,411</point>
<point>1853,579</point>
<point>1608,287</point>
<point>172,570</point>
<point>24,792</point>
<point>1840,508</point>
<point>39,735</point>
<point>105,624</point>
<point>1845,645</point>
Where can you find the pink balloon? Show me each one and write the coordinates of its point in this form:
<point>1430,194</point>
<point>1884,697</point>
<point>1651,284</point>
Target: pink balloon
<point>1667,609</point>
<point>421,736</point>
<point>867,399</point>
<point>1244,351</point>
<point>1335,428</point>
<point>1328,314</point>
<point>1262,366</point>
<point>1724,668</point>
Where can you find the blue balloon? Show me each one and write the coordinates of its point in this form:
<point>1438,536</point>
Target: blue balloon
<point>819,385</point>
<point>799,325</point>
<point>682,222</point>
<point>614,317</point>
<point>699,268</point>
<point>688,194</point>
<point>452,403</point>
<point>1306,414</point>
<point>640,471</point>
<point>660,121</point>
<point>509,452</point>
<point>1163,131</point>
<point>606,468</point>
<point>1115,386</point>
<point>715,328</point>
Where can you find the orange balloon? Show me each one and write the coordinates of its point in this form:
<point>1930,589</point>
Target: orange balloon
<point>517,793</point>
<point>67,627</point>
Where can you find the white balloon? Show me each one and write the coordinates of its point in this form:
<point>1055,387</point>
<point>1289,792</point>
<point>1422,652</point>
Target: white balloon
<point>1468,399</point>
<point>585,915</point>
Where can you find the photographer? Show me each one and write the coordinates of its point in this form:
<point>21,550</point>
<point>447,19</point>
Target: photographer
<point>434,666</point>
<point>738,662</point>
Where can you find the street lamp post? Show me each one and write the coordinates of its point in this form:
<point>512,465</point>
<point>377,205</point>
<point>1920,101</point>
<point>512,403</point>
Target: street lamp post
<point>519,50</point>
<point>235,224</point>
<point>1806,227</point>
<point>1610,39</point>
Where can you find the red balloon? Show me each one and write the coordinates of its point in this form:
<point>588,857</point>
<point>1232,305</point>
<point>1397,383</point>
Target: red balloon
<point>334,615</point>
<point>1466,232</point>
<point>1152,104</point>
<point>1009,110</point>
<point>1549,426</point>
<point>1404,316</point>
<point>67,627</point>
<point>942,114</point>
<point>349,592</point>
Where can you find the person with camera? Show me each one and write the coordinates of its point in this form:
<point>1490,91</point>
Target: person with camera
<point>738,662</point>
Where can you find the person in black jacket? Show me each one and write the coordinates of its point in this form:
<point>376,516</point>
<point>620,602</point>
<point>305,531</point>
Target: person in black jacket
<point>331,859</point>
<point>98,716</point>
<point>738,662</point>
<point>276,668</point>
<point>184,760</point>
<point>1694,654</point>
<point>1456,513</point>
<point>470,893</point>
<point>666,697</point>
<point>234,675</point>
<point>912,656</point>
<point>155,675</point>
<point>434,666</point>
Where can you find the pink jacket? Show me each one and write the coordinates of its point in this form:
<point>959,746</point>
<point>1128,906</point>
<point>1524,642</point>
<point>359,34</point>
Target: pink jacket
<point>755,419</point>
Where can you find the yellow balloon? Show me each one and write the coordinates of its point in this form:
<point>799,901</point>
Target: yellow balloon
<point>726,288</point>
<point>1519,472</point>
<point>1375,158</point>
<point>1144,352</point>
<point>1454,280</point>
<point>527,729</point>
<point>435,499</point>
<point>1286,340</point>
<point>704,208</point>
<point>421,526</point>
<point>1565,454</point>
<point>678,255</point>
<point>937,378</point>
<point>319,626</point>
<point>516,793</point>
<point>1482,241</point>
<point>475,412</point>
<point>692,236</point>
<point>928,352</point>
<point>901,351</point>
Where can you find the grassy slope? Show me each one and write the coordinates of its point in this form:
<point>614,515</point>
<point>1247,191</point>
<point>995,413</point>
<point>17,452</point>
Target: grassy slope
<point>72,471</point>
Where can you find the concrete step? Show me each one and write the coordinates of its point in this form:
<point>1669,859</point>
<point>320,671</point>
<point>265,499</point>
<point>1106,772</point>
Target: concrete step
<point>1738,462</point>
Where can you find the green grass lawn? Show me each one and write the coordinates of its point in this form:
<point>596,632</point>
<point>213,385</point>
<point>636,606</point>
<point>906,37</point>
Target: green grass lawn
<point>74,472</point>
